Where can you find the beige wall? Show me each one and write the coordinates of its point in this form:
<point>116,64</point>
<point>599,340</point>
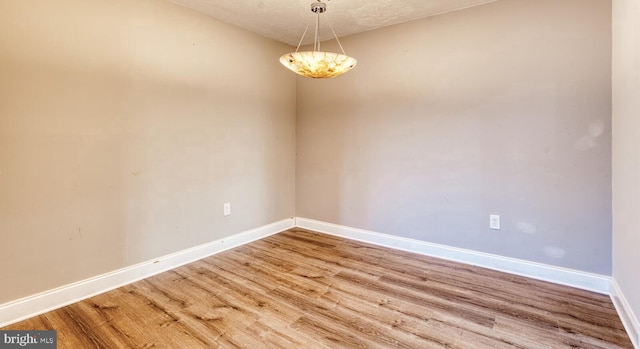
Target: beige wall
<point>626,150</point>
<point>499,109</point>
<point>124,127</point>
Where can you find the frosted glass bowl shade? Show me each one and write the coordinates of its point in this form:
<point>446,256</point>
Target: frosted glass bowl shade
<point>318,64</point>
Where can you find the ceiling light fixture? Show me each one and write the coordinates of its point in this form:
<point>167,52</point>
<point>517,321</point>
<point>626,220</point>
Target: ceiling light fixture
<point>318,64</point>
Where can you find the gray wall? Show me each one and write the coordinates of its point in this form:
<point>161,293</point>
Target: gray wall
<point>124,127</point>
<point>626,150</point>
<point>498,109</point>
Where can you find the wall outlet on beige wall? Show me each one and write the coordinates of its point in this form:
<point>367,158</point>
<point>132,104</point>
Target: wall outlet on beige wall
<point>227,209</point>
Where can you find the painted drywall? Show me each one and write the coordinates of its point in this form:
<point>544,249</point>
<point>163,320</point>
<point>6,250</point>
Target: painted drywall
<point>626,150</point>
<point>124,127</point>
<point>499,109</point>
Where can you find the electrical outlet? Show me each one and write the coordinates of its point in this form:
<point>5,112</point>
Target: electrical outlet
<point>227,208</point>
<point>494,221</point>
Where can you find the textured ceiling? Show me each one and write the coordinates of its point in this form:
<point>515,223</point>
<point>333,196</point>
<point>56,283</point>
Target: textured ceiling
<point>285,20</point>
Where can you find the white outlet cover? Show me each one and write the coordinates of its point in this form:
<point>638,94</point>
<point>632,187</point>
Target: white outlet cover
<point>227,209</point>
<point>494,222</point>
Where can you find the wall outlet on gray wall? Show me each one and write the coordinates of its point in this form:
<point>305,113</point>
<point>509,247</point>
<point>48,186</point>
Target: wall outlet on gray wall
<point>494,221</point>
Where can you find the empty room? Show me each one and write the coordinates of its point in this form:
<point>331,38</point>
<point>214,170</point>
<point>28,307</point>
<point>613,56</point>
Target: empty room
<point>320,174</point>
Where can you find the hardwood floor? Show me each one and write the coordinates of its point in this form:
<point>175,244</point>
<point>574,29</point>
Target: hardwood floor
<point>300,289</point>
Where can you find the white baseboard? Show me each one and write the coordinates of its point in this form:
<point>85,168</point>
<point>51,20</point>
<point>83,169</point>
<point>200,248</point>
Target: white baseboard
<point>41,303</point>
<point>574,278</point>
<point>629,320</point>
<point>25,308</point>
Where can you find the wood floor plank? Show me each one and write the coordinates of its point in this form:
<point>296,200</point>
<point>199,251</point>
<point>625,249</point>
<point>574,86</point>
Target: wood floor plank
<point>302,289</point>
